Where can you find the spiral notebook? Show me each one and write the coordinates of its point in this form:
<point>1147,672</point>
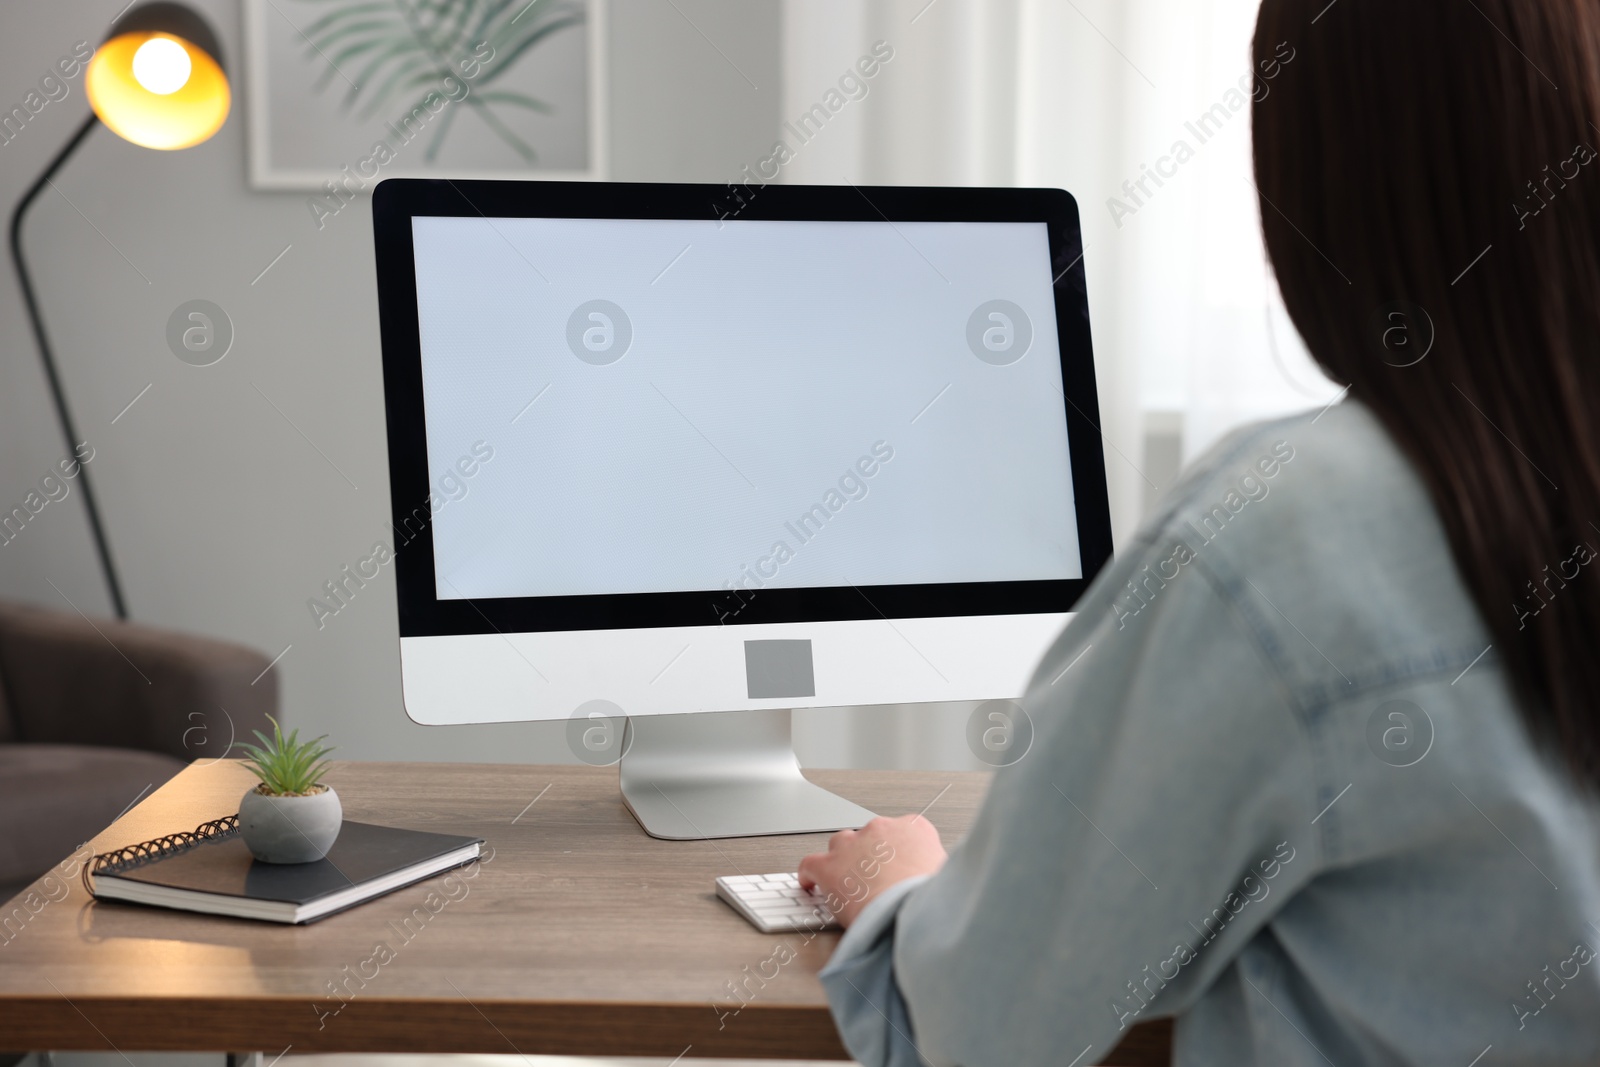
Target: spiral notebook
<point>210,870</point>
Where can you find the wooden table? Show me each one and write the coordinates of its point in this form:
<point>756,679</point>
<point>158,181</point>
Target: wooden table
<point>580,936</point>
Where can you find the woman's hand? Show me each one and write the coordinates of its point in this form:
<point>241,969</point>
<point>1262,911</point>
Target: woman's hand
<point>860,864</point>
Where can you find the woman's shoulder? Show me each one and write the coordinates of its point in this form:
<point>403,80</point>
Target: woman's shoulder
<point>1320,533</point>
<point>1339,460</point>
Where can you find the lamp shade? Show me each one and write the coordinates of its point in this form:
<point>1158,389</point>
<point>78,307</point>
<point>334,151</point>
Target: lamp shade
<point>158,79</point>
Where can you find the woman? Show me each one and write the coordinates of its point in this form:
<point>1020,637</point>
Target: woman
<point>1324,783</point>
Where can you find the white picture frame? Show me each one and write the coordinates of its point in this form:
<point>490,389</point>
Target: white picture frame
<point>301,137</point>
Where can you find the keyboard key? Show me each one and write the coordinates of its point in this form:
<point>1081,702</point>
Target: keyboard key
<point>774,903</point>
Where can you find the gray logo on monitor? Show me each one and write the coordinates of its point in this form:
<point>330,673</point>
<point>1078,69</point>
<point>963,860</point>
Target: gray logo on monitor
<point>999,732</point>
<point>999,332</point>
<point>778,669</point>
<point>598,332</point>
<point>1399,733</point>
<point>199,333</point>
<point>597,733</point>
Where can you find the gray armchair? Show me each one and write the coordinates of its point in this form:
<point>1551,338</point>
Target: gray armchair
<point>92,714</point>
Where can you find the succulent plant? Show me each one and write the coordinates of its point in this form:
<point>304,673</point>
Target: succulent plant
<point>287,766</point>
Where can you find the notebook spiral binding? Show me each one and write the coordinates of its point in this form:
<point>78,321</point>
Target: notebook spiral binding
<point>132,856</point>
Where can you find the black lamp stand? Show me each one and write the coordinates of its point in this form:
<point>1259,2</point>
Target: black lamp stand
<point>52,375</point>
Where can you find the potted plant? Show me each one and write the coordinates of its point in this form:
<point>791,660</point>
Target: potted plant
<point>291,817</point>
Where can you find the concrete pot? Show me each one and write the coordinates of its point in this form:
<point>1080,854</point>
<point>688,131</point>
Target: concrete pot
<point>290,829</point>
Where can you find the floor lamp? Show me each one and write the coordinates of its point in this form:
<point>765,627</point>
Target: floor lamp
<point>157,80</point>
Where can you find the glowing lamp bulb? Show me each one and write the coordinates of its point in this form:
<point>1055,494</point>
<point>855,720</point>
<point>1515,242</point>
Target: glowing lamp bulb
<point>161,65</point>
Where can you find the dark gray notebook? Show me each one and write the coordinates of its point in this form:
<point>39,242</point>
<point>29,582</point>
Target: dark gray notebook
<point>211,870</point>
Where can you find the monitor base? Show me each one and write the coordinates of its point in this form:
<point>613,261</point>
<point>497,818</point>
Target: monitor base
<point>724,774</point>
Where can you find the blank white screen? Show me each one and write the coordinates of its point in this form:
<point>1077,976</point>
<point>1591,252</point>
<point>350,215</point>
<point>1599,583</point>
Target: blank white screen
<point>767,359</point>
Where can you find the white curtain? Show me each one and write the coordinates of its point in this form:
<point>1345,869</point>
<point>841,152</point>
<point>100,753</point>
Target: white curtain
<point>1193,310</point>
<point>1084,95</point>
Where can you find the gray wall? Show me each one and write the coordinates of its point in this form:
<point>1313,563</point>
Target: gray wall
<point>232,492</point>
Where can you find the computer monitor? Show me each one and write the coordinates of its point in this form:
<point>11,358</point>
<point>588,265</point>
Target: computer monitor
<point>681,458</point>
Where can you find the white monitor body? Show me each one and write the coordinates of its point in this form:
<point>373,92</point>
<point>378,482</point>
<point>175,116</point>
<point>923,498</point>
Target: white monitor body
<point>473,678</point>
<point>667,474</point>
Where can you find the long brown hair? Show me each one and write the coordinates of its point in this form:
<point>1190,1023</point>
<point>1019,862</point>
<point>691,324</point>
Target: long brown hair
<point>1430,196</point>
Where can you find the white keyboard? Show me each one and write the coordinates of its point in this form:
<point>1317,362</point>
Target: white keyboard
<point>775,903</point>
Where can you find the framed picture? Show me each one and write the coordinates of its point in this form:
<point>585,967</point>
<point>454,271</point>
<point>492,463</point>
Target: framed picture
<point>375,89</point>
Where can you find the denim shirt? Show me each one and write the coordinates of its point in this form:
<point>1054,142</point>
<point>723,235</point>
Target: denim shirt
<point>1278,789</point>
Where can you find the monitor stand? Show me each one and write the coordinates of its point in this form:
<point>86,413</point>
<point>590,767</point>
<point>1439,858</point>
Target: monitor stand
<point>724,774</point>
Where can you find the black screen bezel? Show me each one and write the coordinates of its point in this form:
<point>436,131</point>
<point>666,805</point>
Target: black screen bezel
<point>396,201</point>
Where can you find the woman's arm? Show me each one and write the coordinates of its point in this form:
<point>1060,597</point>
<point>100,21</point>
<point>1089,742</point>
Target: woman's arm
<point>1159,820</point>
